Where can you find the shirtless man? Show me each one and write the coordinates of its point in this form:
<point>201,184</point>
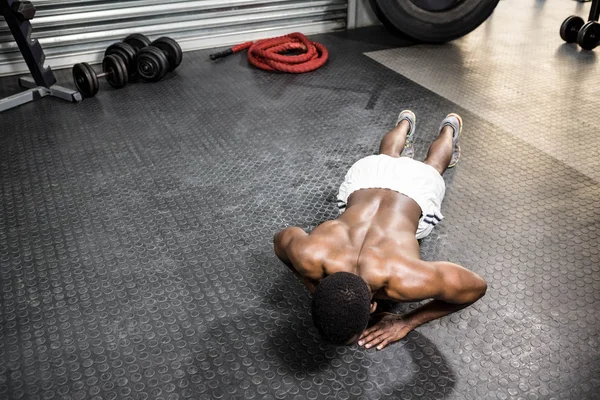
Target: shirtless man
<point>387,202</point>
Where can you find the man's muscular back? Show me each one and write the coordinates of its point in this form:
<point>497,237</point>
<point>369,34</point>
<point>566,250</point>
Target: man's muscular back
<point>375,239</point>
<point>376,230</point>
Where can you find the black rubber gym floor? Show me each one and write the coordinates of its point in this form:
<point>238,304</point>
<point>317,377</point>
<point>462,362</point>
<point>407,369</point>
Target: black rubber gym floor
<point>136,231</point>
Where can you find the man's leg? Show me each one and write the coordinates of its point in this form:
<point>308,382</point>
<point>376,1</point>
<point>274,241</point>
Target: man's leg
<point>394,142</point>
<point>444,151</point>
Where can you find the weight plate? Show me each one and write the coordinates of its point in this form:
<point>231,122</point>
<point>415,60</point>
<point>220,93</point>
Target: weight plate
<point>117,71</point>
<point>171,49</point>
<point>440,26</point>
<point>570,28</point>
<point>137,41</point>
<point>436,5</point>
<point>589,36</point>
<point>152,64</point>
<point>123,50</point>
<point>85,79</point>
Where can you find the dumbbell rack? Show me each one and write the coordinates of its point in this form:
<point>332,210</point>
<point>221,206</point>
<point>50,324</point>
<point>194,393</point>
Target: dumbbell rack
<point>43,83</point>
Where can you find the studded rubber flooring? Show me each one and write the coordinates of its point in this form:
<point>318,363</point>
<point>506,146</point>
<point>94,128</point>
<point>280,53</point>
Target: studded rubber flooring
<point>136,258</point>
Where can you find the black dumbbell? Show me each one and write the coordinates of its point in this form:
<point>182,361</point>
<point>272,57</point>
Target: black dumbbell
<point>171,49</point>
<point>151,64</point>
<point>570,28</point>
<point>127,53</point>
<point>137,41</point>
<point>588,37</point>
<point>154,61</point>
<point>86,79</point>
<point>167,45</point>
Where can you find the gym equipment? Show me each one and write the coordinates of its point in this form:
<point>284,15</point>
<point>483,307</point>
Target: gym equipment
<point>586,35</point>
<point>137,41</point>
<point>384,20</point>
<point>433,21</point>
<point>171,49</point>
<point>152,64</point>
<point>24,10</point>
<point>161,56</point>
<point>17,15</point>
<point>589,35</point>
<point>123,50</point>
<point>86,79</point>
<point>274,54</point>
<point>570,28</point>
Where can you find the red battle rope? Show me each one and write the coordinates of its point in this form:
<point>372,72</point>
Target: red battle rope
<point>271,54</point>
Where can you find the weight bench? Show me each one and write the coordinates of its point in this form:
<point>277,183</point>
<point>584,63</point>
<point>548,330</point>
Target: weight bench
<point>17,15</point>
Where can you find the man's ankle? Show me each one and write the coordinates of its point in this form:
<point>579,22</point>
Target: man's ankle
<point>404,124</point>
<point>448,130</point>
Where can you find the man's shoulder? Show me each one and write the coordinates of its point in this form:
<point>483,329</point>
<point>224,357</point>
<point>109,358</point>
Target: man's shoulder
<point>324,250</point>
<point>332,224</point>
<point>311,248</point>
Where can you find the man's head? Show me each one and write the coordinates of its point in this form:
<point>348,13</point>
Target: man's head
<point>341,306</point>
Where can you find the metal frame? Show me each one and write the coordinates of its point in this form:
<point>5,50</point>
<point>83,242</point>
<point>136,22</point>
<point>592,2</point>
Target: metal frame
<point>30,48</point>
<point>594,11</point>
<point>36,92</point>
<point>360,14</point>
<point>43,82</point>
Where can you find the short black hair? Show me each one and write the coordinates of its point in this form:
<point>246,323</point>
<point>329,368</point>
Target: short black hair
<point>341,306</point>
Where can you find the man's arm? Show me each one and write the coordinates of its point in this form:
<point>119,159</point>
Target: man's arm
<point>451,286</point>
<point>284,243</point>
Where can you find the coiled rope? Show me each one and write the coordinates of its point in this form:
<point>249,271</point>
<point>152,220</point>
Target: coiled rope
<point>281,54</point>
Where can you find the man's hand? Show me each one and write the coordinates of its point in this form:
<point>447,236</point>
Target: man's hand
<point>451,286</point>
<point>389,329</point>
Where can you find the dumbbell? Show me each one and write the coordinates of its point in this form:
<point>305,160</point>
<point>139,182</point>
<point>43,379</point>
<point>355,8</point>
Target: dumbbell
<point>588,37</point>
<point>161,56</point>
<point>152,62</point>
<point>128,49</point>
<point>114,70</point>
<point>137,41</point>
<point>127,53</point>
<point>168,46</point>
<point>575,29</point>
<point>570,28</point>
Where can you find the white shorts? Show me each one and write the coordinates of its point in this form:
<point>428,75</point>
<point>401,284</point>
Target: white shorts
<point>419,181</point>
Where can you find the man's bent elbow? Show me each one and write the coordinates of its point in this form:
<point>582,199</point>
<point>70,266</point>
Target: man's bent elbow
<point>474,292</point>
<point>481,288</point>
<point>277,237</point>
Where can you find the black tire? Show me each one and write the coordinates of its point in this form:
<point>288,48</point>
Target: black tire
<point>570,28</point>
<point>437,26</point>
<point>387,24</point>
<point>589,36</point>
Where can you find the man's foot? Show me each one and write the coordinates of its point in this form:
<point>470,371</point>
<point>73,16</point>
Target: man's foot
<point>456,123</point>
<point>409,148</point>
